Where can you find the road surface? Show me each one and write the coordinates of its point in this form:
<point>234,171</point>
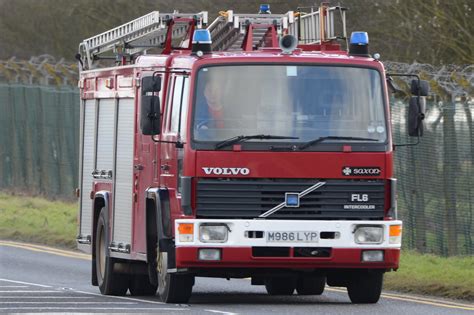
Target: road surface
<point>42,279</point>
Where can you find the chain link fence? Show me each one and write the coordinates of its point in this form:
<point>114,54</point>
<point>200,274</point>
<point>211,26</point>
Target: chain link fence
<point>39,126</point>
<point>436,184</point>
<point>39,140</point>
<point>41,70</point>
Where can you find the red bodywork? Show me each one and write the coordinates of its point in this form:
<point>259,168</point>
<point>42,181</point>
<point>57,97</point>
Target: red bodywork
<point>156,162</point>
<point>241,257</point>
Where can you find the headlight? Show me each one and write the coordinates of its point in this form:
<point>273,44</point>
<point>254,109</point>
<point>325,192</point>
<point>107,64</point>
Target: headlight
<point>368,235</point>
<point>213,233</point>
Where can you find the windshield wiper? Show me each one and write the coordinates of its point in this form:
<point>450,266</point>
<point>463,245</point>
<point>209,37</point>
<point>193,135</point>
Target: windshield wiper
<point>242,138</point>
<point>321,139</point>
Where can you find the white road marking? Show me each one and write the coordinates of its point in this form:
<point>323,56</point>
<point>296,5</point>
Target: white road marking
<point>13,286</point>
<point>120,297</point>
<point>222,312</point>
<point>29,302</point>
<point>29,291</point>
<point>43,297</point>
<point>95,308</point>
<point>27,283</point>
<point>72,290</point>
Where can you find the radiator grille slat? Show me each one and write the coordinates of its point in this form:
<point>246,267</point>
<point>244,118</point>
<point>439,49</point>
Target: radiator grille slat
<point>249,198</point>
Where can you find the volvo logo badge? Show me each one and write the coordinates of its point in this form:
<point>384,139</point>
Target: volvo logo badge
<point>292,200</point>
<point>226,171</point>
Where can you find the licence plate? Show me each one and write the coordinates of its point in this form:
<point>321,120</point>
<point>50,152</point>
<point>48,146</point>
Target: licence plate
<point>288,236</point>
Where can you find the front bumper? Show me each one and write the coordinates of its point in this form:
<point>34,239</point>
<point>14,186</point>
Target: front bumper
<point>238,250</point>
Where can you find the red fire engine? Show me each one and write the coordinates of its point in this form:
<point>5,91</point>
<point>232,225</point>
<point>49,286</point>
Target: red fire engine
<point>252,147</point>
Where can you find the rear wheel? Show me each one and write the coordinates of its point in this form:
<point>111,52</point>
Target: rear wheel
<point>310,284</point>
<point>110,282</point>
<point>280,285</point>
<point>140,286</point>
<point>365,287</point>
<point>173,288</point>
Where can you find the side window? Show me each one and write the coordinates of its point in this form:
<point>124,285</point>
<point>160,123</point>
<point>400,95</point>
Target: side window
<point>180,106</point>
<point>176,104</point>
<point>169,101</point>
<point>184,108</point>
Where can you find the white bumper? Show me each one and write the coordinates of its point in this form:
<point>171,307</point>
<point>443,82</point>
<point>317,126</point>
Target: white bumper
<point>241,233</point>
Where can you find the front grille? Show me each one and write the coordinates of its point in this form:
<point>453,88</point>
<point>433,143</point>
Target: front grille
<point>249,198</point>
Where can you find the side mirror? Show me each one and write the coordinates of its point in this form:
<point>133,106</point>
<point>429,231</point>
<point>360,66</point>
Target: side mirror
<point>420,87</point>
<point>150,115</point>
<point>416,114</point>
<point>151,84</point>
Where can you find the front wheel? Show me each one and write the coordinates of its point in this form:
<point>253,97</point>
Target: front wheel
<point>110,282</point>
<point>310,284</point>
<point>173,288</point>
<point>365,287</point>
<point>280,285</point>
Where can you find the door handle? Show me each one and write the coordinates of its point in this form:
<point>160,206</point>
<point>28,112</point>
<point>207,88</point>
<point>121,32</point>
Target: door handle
<point>138,167</point>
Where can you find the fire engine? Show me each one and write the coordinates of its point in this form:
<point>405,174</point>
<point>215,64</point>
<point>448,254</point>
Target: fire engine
<point>251,147</point>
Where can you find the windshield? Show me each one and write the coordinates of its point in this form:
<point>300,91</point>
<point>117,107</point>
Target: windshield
<point>303,102</point>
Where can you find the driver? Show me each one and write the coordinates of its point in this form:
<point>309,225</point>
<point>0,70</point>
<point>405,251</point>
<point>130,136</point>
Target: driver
<point>210,112</point>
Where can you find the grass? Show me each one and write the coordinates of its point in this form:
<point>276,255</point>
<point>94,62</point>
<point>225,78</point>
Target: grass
<point>54,223</point>
<point>37,220</point>
<point>451,277</point>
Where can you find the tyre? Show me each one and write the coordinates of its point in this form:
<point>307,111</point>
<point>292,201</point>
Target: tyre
<point>172,288</point>
<point>365,287</point>
<point>280,285</point>
<point>110,282</point>
<point>310,285</point>
<point>140,286</point>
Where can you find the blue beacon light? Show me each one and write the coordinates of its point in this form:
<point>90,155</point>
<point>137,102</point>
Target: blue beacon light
<point>202,37</point>
<point>359,44</point>
<point>201,42</point>
<point>359,38</point>
<point>264,9</point>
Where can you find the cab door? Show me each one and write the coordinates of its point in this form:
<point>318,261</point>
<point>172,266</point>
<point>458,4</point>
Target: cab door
<point>145,165</point>
<point>173,136</point>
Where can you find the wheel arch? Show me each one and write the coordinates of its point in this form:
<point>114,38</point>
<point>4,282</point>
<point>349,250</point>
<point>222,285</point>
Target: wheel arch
<point>101,200</point>
<point>158,228</point>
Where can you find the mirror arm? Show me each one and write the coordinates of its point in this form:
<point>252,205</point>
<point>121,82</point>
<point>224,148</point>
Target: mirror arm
<point>388,75</point>
<point>407,144</point>
<point>178,144</point>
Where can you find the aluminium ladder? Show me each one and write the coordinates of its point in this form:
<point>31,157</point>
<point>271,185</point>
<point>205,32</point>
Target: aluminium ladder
<point>319,26</point>
<point>230,30</point>
<point>139,35</point>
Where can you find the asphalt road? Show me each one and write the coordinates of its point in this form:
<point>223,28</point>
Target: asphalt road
<point>41,279</point>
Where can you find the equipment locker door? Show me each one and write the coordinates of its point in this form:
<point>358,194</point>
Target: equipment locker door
<point>123,188</point>
<point>87,154</point>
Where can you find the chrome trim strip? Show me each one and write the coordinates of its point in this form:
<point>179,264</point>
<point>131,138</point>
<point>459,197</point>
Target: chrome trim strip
<point>283,204</point>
